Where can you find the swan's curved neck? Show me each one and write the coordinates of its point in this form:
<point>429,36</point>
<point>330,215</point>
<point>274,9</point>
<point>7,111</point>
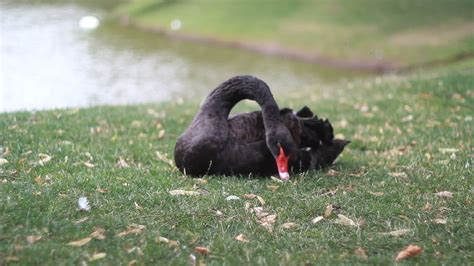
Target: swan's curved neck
<point>221,101</point>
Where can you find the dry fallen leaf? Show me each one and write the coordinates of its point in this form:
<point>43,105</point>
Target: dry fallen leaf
<point>402,175</point>
<point>272,188</point>
<point>317,219</point>
<point>39,180</point>
<point>360,252</point>
<point>260,199</point>
<point>341,219</point>
<point>80,242</point>
<point>270,219</point>
<point>162,157</point>
<point>408,252</point>
<point>121,163</point>
<point>33,239</point>
<point>81,220</point>
<point>448,150</point>
<point>202,250</point>
<point>97,256</point>
<point>98,233</point>
<point>242,238</point>
<point>161,134</point>
<point>276,179</point>
<point>440,221</point>
<point>249,196</point>
<point>44,158</point>
<point>427,207</point>
<point>89,165</point>
<point>332,172</point>
<point>378,194</point>
<point>400,232</point>
<point>328,211</point>
<point>180,192</point>
<point>288,225</point>
<point>444,194</point>
<point>3,161</point>
<point>12,258</point>
<point>132,229</point>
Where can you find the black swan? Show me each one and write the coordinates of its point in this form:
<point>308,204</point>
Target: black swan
<point>261,143</point>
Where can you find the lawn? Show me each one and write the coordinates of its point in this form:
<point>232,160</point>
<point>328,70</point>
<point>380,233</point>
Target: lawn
<point>412,138</point>
<point>425,30</point>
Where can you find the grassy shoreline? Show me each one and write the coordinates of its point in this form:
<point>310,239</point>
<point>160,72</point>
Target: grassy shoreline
<point>359,31</point>
<point>411,139</point>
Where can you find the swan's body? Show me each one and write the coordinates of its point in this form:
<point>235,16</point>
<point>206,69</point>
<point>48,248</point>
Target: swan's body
<point>250,143</point>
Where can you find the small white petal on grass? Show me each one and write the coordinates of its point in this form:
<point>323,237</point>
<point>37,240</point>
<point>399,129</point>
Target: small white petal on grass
<point>241,238</point>
<point>397,233</point>
<point>80,242</point>
<point>3,161</point>
<point>341,219</point>
<point>288,225</point>
<point>33,239</point>
<point>83,204</point>
<point>232,197</point>
<point>180,192</point>
<point>161,134</point>
<point>176,24</point>
<point>163,240</point>
<point>444,194</point>
<point>89,22</point>
<point>192,259</point>
<point>317,219</point>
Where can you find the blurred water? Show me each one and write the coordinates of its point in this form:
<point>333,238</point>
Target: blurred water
<point>48,61</point>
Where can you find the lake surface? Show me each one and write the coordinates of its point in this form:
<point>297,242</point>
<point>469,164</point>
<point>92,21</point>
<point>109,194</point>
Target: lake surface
<point>48,61</point>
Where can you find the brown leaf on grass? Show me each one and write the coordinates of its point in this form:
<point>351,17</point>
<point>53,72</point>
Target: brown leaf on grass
<point>43,158</point>
<point>360,252</point>
<point>12,259</point>
<point>89,165</point>
<point>397,233</point>
<point>427,207</point>
<point>402,175</point>
<point>162,157</point>
<point>201,181</point>
<point>81,220</point>
<point>440,221</point>
<point>328,211</point>
<point>98,233</point>
<point>317,219</point>
<point>180,192</point>
<point>97,256</point>
<point>132,262</point>
<point>408,252</point>
<point>138,207</point>
<point>101,190</point>
<point>332,172</point>
<point>270,219</point>
<point>161,134</point>
<point>272,188</point>
<point>378,194</point>
<point>241,238</point>
<point>444,194</point>
<point>80,242</point>
<point>39,180</point>
<point>132,229</point>
<point>33,239</point>
<point>121,163</point>
<point>3,161</point>
<point>288,225</point>
<point>202,250</point>
<point>341,219</point>
<point>260,199</point>
<point>249,196</point>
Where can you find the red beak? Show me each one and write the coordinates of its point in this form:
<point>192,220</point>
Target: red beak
<point>282,164</point>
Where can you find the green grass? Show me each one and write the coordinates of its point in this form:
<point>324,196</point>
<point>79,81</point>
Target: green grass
<point>398,124</point>
<point>425,30</point>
